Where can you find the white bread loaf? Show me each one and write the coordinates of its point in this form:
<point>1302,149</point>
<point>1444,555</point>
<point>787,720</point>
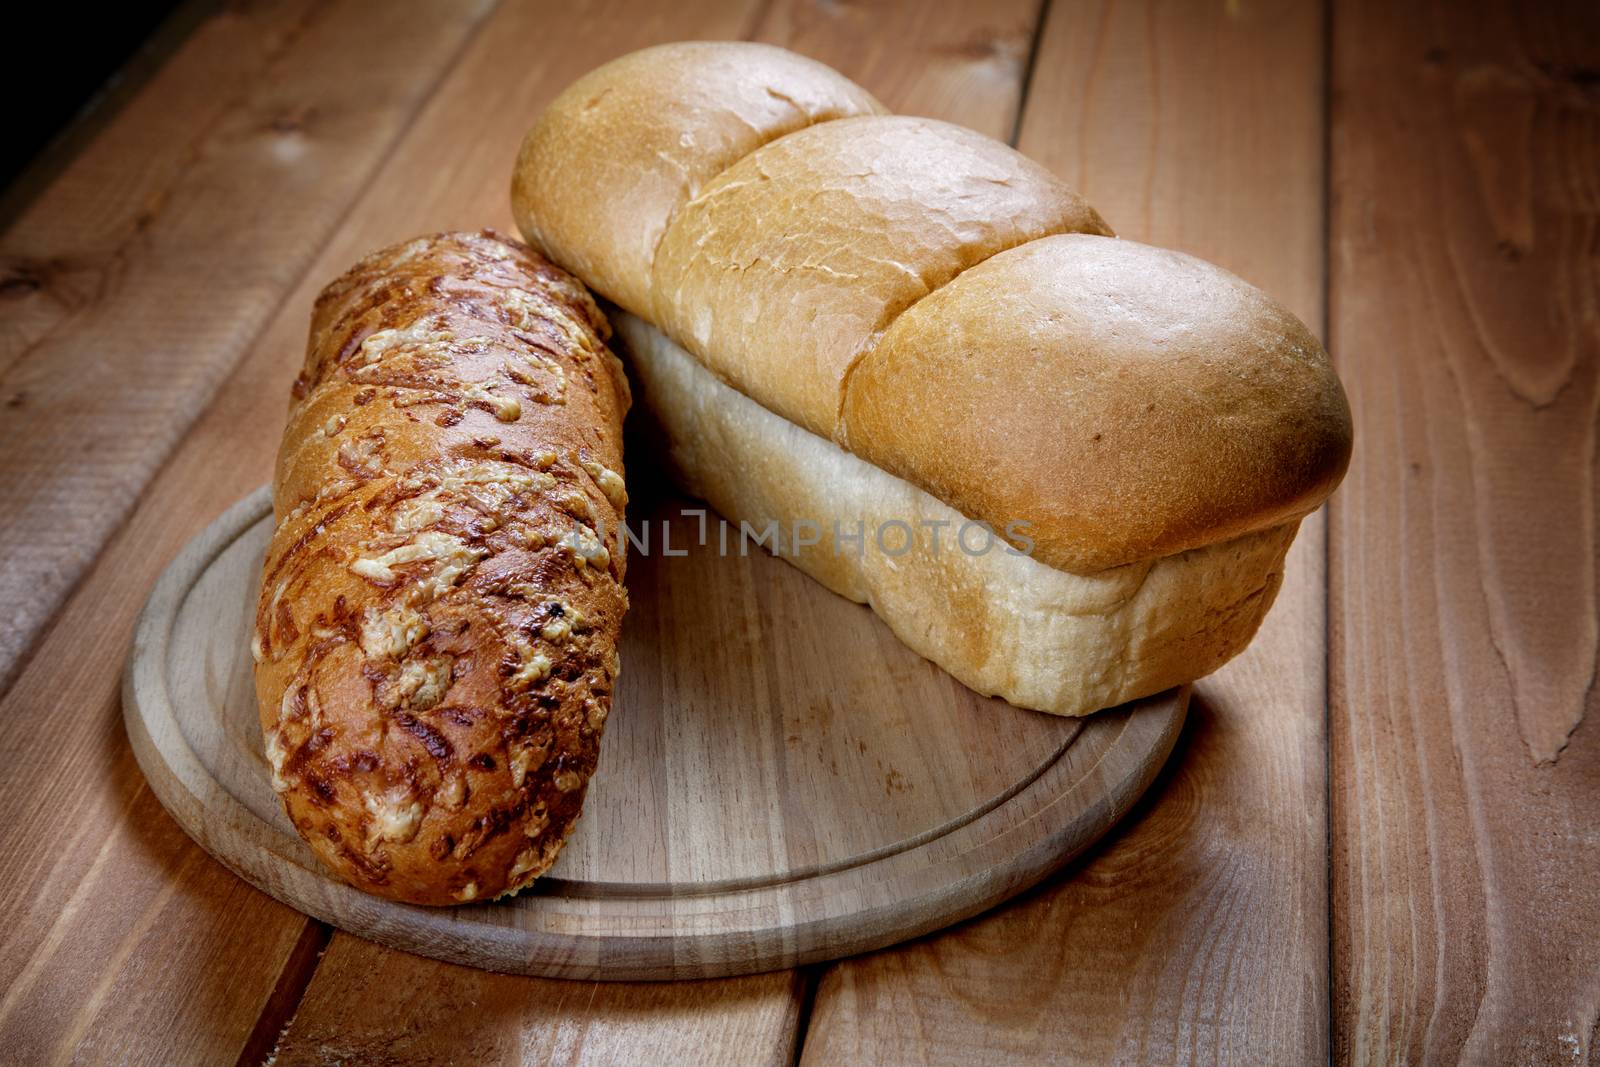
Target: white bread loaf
<point>887,316</point>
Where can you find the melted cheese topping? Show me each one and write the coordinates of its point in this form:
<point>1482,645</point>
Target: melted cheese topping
<point>422,683</point>
<point>453,793</point>
<point>451,556</point>
<point>610,483</point>
<point>417,335</point>
<point>506,408</point>
<point>585,547</point>
<point>535,668</point>
<point>364,454</point>
<point>396,816</point>
<point>390,634</point>
<point>277,759</point>
<point>524,760</point>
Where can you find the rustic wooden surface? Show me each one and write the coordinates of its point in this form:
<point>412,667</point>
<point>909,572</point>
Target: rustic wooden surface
<point>933,806</point>
<point>1465,303</point>
<point>1427,172</point>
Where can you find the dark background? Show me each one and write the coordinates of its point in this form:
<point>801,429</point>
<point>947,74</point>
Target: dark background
<point>77,52</point>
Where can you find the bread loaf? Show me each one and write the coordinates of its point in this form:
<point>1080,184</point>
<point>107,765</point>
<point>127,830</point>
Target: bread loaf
<point>436,636</point>
<point>840,315</point>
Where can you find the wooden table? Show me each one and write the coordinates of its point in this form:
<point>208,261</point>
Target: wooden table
<point>1380,838</point>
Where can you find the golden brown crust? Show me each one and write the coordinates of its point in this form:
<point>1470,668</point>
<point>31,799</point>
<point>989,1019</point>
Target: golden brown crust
<point>921,261</point>
<point>436,637</point>
<point>680,114</point>
<point>788,266</point>
<point>1133,402</point>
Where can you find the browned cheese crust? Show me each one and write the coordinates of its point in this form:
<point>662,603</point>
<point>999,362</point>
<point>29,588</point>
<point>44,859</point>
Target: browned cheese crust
<point>436,636</point>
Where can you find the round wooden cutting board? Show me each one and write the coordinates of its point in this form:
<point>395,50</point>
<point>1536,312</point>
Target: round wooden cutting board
<point>781,781</point>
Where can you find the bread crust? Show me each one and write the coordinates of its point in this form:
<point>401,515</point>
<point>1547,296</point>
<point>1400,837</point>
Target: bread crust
<point>788,266</point>
<point>923,260</point>
<point>613,158</point>
<point>1126,402</point>
<point>436,635</point>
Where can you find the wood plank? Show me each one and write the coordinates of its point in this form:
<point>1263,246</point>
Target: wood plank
<point>1465,745</point>
<point>134,283</point>
<point>951,59</point>
<point>1198,932</point>
<point>372,1005</point>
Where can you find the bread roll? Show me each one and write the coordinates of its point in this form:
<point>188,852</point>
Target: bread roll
<point>436,636</point>
<point>942,312</point>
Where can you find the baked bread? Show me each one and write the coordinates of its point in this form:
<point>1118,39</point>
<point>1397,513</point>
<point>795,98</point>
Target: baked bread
<point>840,315</point>
<point>436,637</point>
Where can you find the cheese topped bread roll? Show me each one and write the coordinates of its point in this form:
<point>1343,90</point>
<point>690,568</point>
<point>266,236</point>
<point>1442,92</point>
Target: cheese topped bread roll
<point>436,636</point>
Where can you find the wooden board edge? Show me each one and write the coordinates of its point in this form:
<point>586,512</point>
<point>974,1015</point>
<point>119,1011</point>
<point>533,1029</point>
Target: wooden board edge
<point>179,781</point>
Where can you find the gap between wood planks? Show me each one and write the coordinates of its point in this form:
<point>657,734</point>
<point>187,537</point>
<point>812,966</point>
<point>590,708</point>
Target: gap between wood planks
<point>1041,15</point>
<point>293,980</point>
<point>810,977</point>
<point>1323,331</point>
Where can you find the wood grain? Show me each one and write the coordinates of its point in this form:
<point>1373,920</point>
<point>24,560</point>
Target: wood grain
<point>951,59</point>
<point>1465,292</point>
<point>1200,933</point>
<point>137,280</point>
<point>893,799</point>
<point>461,1015</point>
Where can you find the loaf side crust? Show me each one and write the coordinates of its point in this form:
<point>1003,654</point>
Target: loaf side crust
<point>1003,624</point>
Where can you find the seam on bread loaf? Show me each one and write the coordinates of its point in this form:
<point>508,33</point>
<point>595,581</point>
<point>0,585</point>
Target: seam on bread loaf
<point>767,137</point>
<point>782,273</point>
<point>701,106</point>
<point>1092,224</point>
